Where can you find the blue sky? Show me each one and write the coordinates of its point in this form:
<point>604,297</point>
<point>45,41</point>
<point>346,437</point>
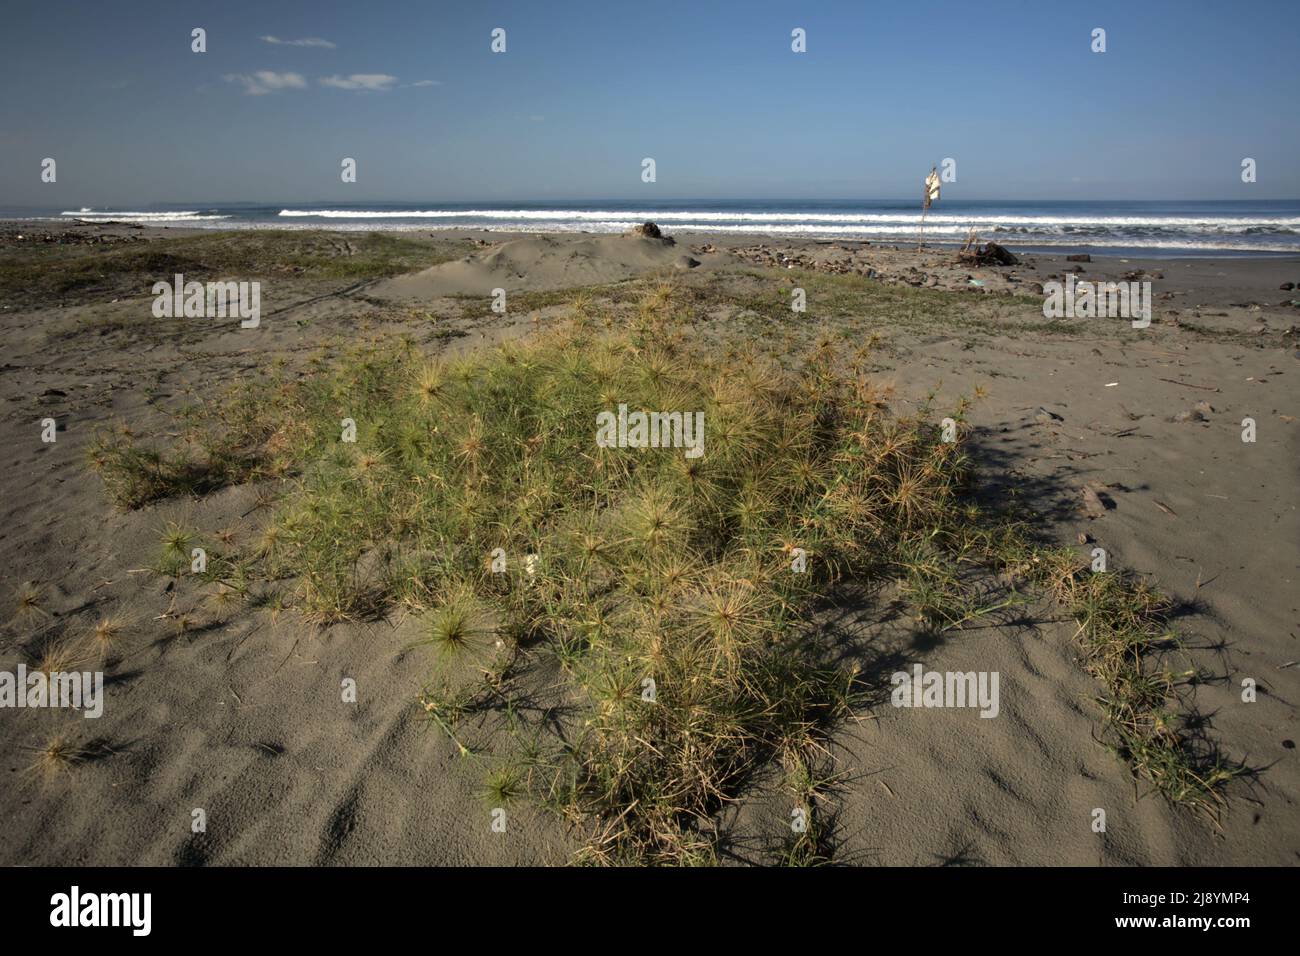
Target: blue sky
<point>586,89</point>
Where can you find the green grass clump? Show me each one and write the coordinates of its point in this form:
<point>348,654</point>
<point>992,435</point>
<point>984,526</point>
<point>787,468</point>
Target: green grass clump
<point>1128,643</point>
<point>662,585</point>
<point>1124,630</point>
<point>240,436</point>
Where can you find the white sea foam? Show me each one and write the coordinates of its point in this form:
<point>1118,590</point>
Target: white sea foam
<point>659,215</point>
<point>183,216</point>
<point>1053,227</point>
<point>951,234</point>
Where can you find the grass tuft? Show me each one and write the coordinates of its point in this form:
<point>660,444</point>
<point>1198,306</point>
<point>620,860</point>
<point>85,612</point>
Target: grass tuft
<point>57,756</point>
<point>633,568</point>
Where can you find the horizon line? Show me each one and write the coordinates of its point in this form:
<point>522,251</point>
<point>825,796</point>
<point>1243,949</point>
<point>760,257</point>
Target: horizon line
<point>325,203</point>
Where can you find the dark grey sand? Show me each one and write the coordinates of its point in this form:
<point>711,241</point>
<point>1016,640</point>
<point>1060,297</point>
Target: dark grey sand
<point>243,716</point>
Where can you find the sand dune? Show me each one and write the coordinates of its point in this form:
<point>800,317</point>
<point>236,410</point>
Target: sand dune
<point>541,263</point>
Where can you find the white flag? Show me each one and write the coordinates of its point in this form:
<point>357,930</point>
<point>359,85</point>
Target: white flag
<point>931,187</point>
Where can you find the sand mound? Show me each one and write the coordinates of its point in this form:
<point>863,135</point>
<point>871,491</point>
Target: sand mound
<point>544,262</point>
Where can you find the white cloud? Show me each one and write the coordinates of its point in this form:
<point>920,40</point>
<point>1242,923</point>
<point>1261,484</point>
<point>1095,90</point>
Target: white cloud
<point>374,82</point>
<point>424,83</point>
<point>305,41</point>
<point>266,81</point>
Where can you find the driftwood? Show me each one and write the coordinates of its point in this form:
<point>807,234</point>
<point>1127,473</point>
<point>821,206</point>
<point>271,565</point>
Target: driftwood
<point>650,231</point>
<point>973,252</point>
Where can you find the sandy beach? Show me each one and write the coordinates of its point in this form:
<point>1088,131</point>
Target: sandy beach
<point>1113,437</point>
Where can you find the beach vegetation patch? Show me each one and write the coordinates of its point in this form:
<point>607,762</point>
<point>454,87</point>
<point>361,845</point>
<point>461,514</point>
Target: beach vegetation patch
<point>671,600</point>
<point>477,498</point>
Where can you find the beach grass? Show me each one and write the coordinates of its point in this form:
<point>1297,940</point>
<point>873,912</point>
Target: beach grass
<point>58,755</point>
<point>662,585</point>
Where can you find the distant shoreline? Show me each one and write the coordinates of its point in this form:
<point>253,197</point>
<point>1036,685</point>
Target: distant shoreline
<point>504,234</point>
<point>1128,228</point>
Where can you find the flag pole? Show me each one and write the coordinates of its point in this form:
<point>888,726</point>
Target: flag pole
<point>931,182</point>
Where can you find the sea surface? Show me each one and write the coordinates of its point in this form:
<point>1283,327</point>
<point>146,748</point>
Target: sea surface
<point>1170,228</point>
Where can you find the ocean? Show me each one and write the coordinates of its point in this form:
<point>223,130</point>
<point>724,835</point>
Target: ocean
<point>1163,228</point>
